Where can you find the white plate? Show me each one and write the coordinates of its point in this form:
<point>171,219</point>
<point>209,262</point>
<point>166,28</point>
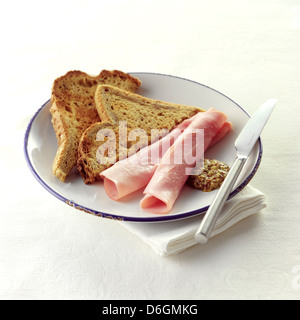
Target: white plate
<point>40,148</point>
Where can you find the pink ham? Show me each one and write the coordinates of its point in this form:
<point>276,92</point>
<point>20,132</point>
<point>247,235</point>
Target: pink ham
<point>221,133</point>
<point>169,177</point>
<point>133,173</point>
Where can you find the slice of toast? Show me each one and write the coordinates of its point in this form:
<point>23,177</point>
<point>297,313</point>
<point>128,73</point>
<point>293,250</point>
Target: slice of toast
<point>73,111</point>
<point>115,106</point>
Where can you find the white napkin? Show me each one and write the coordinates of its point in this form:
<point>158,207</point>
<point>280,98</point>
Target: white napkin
<point>168,238</point>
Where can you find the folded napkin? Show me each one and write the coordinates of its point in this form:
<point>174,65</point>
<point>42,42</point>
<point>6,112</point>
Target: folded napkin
<point>168,238</point>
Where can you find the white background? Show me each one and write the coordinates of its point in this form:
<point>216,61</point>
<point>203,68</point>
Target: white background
<point>249,50</point>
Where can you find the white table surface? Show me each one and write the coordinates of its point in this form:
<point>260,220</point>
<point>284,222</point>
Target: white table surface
<point>249,50</point>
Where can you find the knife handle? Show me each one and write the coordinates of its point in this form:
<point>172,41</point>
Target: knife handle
<point>203,233</point>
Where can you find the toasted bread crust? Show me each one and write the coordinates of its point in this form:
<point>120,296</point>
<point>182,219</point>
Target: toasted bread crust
<point>115,105</point>
<point>73,111</point>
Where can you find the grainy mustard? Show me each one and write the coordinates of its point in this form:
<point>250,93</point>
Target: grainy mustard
<point>212,176</point>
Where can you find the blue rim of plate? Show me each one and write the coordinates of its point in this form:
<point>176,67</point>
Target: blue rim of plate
<point>164,218</point>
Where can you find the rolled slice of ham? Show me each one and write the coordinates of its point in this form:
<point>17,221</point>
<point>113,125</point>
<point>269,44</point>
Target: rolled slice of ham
<point>170,176</point>
<point>133,173</point>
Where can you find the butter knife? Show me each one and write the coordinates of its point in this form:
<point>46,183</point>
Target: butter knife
<point>244,145</point>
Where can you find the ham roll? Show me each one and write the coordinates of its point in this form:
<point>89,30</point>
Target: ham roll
<point>133,173</point>
<point>170,175</point>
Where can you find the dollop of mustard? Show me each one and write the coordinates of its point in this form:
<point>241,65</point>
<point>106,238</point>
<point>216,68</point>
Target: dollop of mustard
<point>212,176</point>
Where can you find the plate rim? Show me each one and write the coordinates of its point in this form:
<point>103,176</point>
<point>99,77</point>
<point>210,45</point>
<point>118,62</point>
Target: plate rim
<point>164,218</point>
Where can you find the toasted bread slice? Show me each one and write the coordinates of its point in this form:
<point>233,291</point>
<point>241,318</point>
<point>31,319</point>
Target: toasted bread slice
<point>115,105</point>
<point>73,111</point>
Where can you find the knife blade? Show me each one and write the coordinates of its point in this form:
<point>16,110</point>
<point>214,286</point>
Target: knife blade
<point>244,145</point>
